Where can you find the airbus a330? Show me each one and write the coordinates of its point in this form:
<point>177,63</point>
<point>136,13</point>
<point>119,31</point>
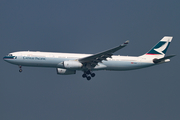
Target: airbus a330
<point>69,63</point>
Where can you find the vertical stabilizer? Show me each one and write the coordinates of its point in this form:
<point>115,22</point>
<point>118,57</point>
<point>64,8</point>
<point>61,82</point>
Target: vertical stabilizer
<point>159,50</point>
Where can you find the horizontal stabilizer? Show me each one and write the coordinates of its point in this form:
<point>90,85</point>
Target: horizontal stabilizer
<point>162,59</point>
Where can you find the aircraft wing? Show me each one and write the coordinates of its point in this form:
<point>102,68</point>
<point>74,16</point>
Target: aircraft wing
<point>99,57</point>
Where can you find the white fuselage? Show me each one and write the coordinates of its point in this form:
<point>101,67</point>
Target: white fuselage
<point>55,60</point>
<point>69,63</point>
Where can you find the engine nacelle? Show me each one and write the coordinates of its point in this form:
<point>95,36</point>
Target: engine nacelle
<point>72,64</point>
<point>61,71</point>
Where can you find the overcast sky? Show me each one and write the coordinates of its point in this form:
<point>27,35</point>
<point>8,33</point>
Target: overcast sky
<point>92,26</point>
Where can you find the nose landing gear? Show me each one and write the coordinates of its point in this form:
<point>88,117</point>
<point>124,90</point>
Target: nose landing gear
<point>88,74</point>
<point>20,70</point>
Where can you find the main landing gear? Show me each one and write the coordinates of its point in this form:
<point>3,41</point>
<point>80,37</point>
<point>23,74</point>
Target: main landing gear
<point>88,74</point>
<point>20,70</point>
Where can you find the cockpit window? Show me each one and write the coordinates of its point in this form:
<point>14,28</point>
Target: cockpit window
<point>9,54</point>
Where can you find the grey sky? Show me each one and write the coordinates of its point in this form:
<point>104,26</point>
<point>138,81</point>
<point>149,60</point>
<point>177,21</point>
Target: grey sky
<point>89,27</point>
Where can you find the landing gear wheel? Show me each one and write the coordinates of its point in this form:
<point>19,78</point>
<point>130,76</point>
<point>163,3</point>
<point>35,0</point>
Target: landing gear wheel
<point>88,78</point>
<point>20,70</point>
<point>93,74</point>
<point>84,75</point>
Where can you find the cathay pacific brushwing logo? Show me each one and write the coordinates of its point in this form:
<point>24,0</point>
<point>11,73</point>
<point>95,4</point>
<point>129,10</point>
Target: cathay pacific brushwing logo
<point>162,48</point>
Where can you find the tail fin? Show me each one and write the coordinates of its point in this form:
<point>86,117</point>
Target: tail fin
<point>159,50</point>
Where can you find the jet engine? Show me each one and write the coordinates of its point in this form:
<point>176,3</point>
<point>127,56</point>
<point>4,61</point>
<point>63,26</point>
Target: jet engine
<point>61,71</point>
<point>72,64</point>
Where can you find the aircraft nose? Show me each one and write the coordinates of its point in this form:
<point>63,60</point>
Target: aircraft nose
<point>6,58</point>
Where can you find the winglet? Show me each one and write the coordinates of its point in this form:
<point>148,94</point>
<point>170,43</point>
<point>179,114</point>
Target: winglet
<point>126,42</point>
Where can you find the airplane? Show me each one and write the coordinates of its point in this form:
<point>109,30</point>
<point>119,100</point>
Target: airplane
<point>69,63</point>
